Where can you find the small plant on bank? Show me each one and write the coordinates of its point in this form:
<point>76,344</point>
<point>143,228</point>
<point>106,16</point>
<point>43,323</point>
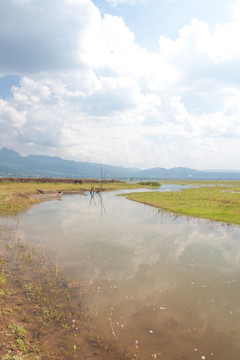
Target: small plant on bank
<point>37,307</point>
<point>150,183</point>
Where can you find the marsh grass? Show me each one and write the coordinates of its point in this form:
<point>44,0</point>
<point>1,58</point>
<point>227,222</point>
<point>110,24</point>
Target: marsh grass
<point>15,196</point>
<point>218,202</point>
<point>150,183</point>
<point>42,315</point>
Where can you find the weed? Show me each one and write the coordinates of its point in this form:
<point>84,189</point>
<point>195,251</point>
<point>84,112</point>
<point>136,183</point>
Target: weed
<point>150,183</point>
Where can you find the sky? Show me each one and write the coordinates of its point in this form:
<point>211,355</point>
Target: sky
<point>133,83</point>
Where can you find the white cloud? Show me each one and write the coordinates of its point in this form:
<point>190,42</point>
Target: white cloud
<point>43,36</point>
<point>127,2</point>
<point>196,40</point>
<point>108,43</point>
<point>21,2</point>
<point>90,92</point>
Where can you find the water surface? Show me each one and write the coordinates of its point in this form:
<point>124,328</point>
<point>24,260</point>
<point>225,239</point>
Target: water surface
<point>172,283</point>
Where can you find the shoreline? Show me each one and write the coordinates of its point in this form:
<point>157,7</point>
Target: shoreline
<point>219,203</point>
<point>43,314</point>
<point>53,195</point>
<point>18,195</point>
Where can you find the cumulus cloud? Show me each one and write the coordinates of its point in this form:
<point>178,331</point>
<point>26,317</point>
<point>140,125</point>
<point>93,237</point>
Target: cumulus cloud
<point>221,45</point>
<point>42,36</point>
<point>89,92</point>
<point>127,2</point>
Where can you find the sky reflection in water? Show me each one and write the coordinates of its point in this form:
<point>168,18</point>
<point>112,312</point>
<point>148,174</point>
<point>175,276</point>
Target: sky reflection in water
<point>173,282</point>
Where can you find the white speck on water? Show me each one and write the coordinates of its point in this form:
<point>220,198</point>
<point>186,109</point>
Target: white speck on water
<point>203,357</point>
<point>162,308</point>
<point>192,283</point>
<point>191,265</point>
<point>195,349</point>
<point>151,332</point>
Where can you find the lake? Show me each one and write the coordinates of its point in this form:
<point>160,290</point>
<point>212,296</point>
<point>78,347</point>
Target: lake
<point>171,283</point>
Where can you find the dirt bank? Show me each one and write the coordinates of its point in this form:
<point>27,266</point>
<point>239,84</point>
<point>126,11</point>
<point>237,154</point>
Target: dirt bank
<point>56,180</point>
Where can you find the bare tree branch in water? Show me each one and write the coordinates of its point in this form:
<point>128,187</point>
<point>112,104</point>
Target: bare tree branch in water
<point>96,193</point>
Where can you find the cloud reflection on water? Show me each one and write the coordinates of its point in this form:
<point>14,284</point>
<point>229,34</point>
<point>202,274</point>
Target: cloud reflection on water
<point>177,277</point>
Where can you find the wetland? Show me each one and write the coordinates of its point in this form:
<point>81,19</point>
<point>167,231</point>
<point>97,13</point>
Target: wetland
<point>159,285</point>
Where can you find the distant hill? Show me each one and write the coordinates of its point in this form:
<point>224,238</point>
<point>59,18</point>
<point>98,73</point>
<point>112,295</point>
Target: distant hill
<point>13,164</point>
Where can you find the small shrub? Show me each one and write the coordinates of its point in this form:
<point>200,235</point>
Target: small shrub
<point>150,183</point>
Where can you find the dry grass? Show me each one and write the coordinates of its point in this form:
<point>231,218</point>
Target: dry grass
<point>14,196</point>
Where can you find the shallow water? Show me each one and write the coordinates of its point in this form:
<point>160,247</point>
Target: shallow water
<point>172,283</point>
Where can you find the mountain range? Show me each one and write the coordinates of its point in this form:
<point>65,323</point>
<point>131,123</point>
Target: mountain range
<point>14,165</point>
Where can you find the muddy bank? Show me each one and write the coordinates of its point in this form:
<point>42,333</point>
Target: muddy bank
<point>43,315</point>
<point>51,195</point>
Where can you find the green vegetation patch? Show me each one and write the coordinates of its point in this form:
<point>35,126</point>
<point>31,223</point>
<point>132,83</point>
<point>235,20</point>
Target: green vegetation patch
<point>16,196</point>
<point>217,203</point>
<point>150,183</point>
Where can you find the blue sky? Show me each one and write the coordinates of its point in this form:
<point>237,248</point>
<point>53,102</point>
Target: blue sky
<point>152,18</point>
<point>141,83</point>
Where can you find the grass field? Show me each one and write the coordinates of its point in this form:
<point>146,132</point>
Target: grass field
<point>218,202</point>
<point>14,196</point>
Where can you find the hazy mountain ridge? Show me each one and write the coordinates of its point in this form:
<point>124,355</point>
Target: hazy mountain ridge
<point>13,164</point>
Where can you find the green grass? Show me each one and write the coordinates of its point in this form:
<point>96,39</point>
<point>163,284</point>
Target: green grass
<point>217,202</point>
<point>14,196</point>
<point>150,183</point>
